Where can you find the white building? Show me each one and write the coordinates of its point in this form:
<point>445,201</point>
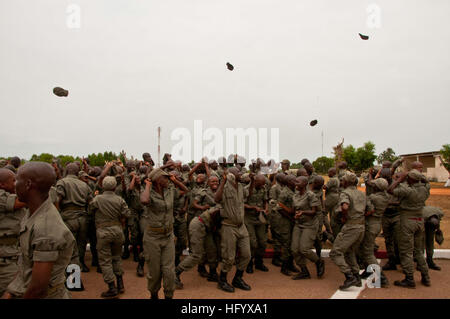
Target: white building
<point>433,168</point>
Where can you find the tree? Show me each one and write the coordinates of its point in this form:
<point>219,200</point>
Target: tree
<point>323,164</point>
<point>445,158</point>
<point>349,155</point>
<point>296,165</point>
<point>44,157</point>
<point>387,155</point>
<point>361,158</point>
<point>365,156</point>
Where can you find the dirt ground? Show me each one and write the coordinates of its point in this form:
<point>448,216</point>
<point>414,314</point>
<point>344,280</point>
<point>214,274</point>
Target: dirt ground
<point>275,285</point>
<point>270,285</point>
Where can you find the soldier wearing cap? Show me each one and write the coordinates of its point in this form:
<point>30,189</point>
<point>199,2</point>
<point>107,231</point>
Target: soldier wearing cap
<point>46,244</point>
<point>308,211</point>
<point>234,234</point>
<point>352,206</point>
<point>74,196</point>
<point>256,206</point>
<point>380,200</point>
<point>412,197</point>
<point>11,214</point>
<point>159,246</point>
<point>285,165</point>
<point>110,212</point>
<point>285,208</point>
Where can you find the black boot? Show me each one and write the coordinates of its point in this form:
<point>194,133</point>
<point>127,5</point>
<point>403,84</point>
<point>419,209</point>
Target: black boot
<point>223,284</point>
<point>390,265</point>
<point>140,268</point>
<point>432,265</point>
<point>154,296</point>
<point>178,283</point>
<point>238,282</point>
<point>126,252</point>
<point>426,280</point>
<point>350,281</point>
<point>94,262</point>
<point>111,292</point>
<point>284,269</point>
<point>202,271</point>
<point>135,253</point>
<point>408,282</point>
<point>358,279</point>
<point>259,264</point>
<point>120,286</point>
<point>320,266</point>
<point>303,274</point>
<point>249,269</point>
<point>99,269</point>
<point>276,260</point>
<point>291,265</point>
<point>383,280</point>
<point>83,266</point>
<point>213,274</point>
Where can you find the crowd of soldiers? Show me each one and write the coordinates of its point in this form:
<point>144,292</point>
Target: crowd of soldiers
<point>221,212</point>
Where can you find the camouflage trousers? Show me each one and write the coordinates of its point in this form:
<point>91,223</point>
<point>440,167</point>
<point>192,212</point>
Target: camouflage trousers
<point>205,247</point>
<point>345,247</point>
<point>411,244</point>
<point>181,234</point>
<point>366,249</point>
<point>109,248</point>
<point>281,229</point>
<point>258,238</point>
<point>8,271</point>
<point>79,227</point>
<point>391,232</point>
<point>234,239</point>
<point>159,251</point>
<point>303,239</point>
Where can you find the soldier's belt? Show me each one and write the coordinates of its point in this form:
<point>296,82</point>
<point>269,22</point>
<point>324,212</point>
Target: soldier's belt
<point>9,240</point>
<point>108,224</point>
<point>72,207</point>
<point>160,230</point>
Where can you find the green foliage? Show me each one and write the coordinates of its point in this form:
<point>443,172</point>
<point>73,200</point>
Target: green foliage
<point>323,164</point>
<point>296,165</point>
<point>445,151</point>
<point>387,155</point>
<point>361,158</point>
<point>100,158</point>
<point>44,157</point>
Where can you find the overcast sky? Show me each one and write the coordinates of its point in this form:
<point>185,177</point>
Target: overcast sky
<point>134,65</point>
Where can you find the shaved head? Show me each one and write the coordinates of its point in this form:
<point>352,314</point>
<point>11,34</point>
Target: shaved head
<point>5,174</point>
<point>72,169</point>
<point>34,179</point>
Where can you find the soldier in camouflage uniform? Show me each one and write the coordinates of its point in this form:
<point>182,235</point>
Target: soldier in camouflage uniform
<point>74,196</point>
<point>432,217</point>
<point>256,205</point>
<point>110,212</point>
<point>159,247</point>
<point>46,244</point>
<point>12,212</point>
<point>412,197</point>
<point>308,211</point>
<point>380,200</point>
<point>332,200</point>
<point>274,218</point>
<point>353,205</point>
